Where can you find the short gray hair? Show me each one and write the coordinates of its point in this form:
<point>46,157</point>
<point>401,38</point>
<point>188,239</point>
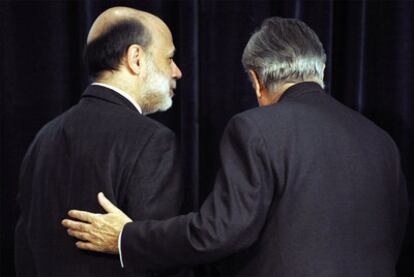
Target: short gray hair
<point>284,50</point>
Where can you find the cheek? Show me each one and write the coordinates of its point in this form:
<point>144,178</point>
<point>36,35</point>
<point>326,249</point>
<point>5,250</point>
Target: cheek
<point>165,69</point>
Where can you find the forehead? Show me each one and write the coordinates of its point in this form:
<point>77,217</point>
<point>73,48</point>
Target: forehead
<point>162,40</point>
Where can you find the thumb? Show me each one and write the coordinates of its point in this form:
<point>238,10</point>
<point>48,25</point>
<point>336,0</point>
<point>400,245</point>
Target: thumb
<point>106,204</point>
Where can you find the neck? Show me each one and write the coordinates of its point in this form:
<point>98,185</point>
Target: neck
<point>118,82</point>
<point>280,91</point>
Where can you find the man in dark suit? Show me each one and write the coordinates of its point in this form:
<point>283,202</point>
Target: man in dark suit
<point>104,143</point>
<point>307,187</point>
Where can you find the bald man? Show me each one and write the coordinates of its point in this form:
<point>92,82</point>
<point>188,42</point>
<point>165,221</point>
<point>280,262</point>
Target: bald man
<point>104,143</point>
<point>307,187</point>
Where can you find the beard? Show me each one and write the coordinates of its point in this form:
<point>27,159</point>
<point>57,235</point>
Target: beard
<point>157,91</point>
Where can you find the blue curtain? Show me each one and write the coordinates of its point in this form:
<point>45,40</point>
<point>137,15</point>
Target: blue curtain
<point>369,45</point>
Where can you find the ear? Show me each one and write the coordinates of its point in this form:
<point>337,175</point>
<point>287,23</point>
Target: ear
<point>258,87</point>
<point>134,58</point>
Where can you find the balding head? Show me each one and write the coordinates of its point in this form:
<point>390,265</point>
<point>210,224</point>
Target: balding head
<point>113,16</point>
<point>114,31</point>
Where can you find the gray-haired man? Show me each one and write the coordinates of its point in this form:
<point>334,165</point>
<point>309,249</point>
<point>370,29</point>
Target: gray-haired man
<point>307,186</point>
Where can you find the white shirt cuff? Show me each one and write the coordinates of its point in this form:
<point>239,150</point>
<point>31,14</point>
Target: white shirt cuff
<point>119,248</point>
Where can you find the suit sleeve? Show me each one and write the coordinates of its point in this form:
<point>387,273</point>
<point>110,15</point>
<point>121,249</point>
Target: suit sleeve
<point>230,219</point>
<point>403,210</point>
<point>153,189</point>
<point>23,256</point>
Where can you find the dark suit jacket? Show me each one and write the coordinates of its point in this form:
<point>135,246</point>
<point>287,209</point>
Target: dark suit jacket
<point>101,144</point>
<point>307,187</point>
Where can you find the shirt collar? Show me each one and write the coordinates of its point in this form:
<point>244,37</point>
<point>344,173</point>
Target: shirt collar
<point>121,92</point>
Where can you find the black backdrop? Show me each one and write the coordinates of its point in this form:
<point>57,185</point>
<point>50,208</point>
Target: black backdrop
<point>369,44</point>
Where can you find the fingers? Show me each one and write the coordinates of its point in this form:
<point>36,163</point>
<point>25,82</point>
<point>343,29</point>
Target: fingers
<point>88,246</point>
<point>75,225</point>
<point>106,204</point>
<point>79,235</point>
<point>83,216</point>
<point>85,245</point>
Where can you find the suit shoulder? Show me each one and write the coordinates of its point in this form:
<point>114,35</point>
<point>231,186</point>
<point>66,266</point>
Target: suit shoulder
<point>243,118</point>
<point>139,122</point>
<point>247,114</point>
<point>134,120</point>
<point>53,125</point>
<point>258,117</point>
<point>245,125</point>
<point>138,131</point>
<point>121,120</point>
<point>265,111</point>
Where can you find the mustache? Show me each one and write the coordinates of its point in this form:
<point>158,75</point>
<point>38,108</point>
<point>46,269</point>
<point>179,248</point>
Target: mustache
<point>173,84</point>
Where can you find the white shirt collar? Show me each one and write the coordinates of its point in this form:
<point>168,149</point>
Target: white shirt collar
<point>123,93</point>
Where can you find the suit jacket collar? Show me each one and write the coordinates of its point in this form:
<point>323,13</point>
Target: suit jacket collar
<point>108,95</point>
<point>300,89</point>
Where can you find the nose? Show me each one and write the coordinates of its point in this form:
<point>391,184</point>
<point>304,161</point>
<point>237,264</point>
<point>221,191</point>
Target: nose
<point>176,72</point>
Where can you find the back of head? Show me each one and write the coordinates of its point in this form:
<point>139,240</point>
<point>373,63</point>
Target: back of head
<point>284,50</point>
<point>111,35</point>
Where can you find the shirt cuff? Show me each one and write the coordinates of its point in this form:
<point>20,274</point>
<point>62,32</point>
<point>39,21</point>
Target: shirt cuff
<point>119,248</point>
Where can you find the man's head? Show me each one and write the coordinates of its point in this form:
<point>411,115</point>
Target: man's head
<point>133,50</point>
<point>281,53</point>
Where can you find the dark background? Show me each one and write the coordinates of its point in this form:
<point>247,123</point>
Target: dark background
<point>369,45</point>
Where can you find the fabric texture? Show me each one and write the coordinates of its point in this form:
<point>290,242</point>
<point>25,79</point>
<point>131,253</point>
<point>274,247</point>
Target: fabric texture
<point>370,68</point>
<point>101,144</point>
<point>307,187</point>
